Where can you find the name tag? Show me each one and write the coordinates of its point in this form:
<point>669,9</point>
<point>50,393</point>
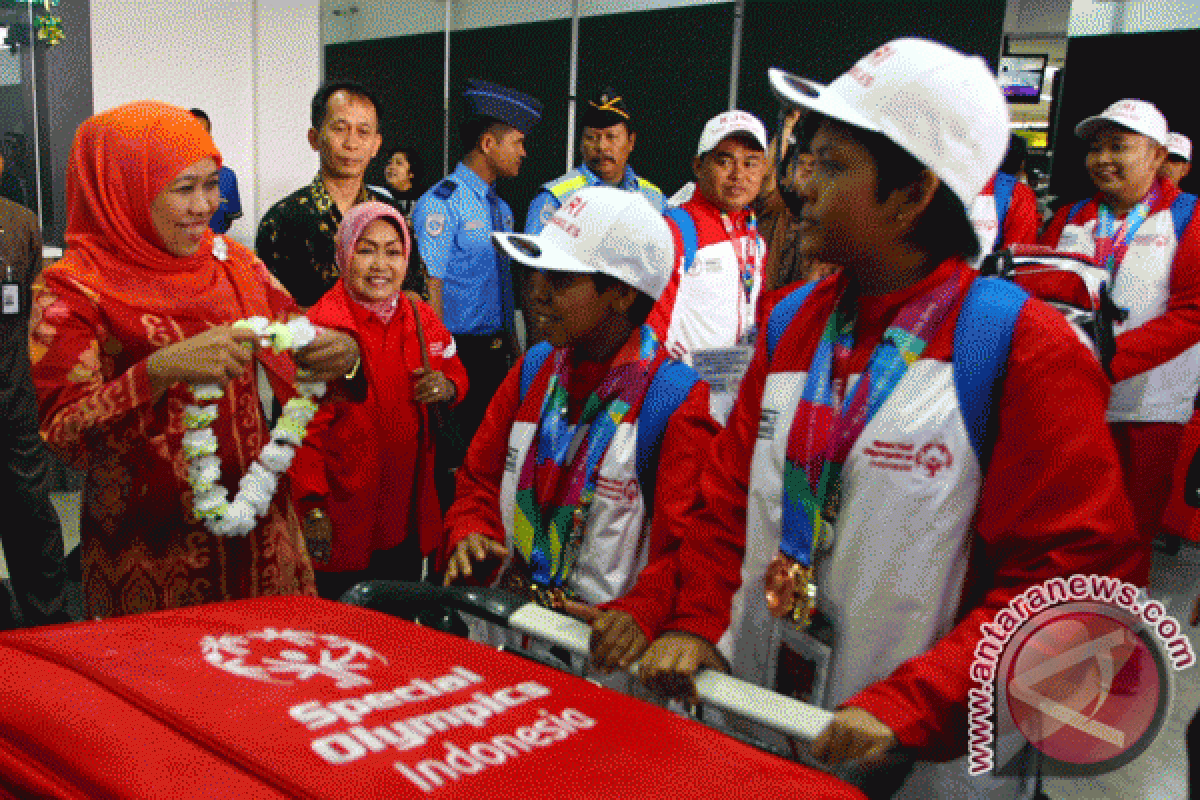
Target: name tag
<point>803,661</point>
<point>10,298</point>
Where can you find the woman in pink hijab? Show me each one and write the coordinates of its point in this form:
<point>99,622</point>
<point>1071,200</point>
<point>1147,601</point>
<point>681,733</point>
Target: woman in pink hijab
<point>364,480</point>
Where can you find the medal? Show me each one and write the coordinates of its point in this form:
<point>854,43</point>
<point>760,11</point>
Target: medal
<point>790,591</point>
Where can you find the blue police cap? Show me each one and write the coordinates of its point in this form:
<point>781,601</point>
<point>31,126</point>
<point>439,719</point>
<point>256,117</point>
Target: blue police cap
<point>499,102</point>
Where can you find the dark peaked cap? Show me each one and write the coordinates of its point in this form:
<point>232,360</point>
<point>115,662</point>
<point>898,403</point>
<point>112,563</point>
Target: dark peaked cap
<point>605,110</point>
<point>501,103</point>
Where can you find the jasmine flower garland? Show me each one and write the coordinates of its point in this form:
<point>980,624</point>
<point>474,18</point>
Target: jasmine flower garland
<point>257,487</point>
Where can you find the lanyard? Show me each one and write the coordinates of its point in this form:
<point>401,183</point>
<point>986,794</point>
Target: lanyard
<point>827,423</point>
<point>745,250</point>
<point>1112,245</point>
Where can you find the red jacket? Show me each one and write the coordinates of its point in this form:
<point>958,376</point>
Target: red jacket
<point>369,465</point>
<point>1161,339</point>
<point>684,445</point>
<point>1051,504</point>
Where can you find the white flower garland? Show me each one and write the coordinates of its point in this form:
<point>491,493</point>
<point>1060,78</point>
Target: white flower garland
<point>257,487</point>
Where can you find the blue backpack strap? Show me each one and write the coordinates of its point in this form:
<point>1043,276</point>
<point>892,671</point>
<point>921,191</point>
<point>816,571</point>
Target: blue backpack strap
<point>532,365</point>
<point>1002,190</point>
<point>982,339</point>
<point>1181,213</point>
<point>687,230</point>
<point>782,315</point>
<point>669,387</point>
<point>1075,209</point>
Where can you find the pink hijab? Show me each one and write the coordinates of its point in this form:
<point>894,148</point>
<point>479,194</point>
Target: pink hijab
<point>353,224</point>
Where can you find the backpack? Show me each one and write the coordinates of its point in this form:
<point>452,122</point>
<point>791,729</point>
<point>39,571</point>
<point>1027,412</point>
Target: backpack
<point>982,338</point>
<point>1002,191</point>
<point>687,231</point>
<point>1182,209</point>
<point>669,387</point>
<point>1068,282</point>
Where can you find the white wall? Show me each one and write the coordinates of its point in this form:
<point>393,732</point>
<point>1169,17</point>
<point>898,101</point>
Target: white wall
<point>1102,17</point>
<point>378,19</point>
<point>251,64</point>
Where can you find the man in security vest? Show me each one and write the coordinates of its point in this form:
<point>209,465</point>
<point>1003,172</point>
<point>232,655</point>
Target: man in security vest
<point>607,141</point>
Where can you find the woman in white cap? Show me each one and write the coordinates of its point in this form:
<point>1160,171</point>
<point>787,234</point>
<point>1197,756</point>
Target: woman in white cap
<point>853,533</point>
<point>1141,229</point>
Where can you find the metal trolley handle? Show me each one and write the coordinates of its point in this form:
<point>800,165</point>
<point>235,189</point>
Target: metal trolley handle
<point>408,600</point>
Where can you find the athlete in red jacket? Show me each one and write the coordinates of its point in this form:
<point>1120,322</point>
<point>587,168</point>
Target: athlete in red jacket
<point>911,537</point>
<point>551,485</point>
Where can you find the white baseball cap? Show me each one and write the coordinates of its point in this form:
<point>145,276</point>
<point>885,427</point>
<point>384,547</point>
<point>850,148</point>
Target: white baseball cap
<point>942,107</point>
<point>728,123</point>
<point>605,230</point>
<point>1179,145</point>
<point>1136,115</point>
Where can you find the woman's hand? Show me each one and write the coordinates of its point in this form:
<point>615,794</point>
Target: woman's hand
<point>854,735</point>
<point>330,356</point>
<point>671,663</point>
<point>474,549</point>
<point>431,386</point>
<point>318,536</point>
<point>218,356</point>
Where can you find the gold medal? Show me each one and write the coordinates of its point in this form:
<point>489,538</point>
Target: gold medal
<point>789,590</point>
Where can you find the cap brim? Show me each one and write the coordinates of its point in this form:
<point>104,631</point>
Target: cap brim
<point>1087,129</point>
<point>536,252</point>
<point>803,93</point>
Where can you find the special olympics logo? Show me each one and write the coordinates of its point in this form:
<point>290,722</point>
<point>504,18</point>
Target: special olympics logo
<point>934,457</point>
<point>287,657</point>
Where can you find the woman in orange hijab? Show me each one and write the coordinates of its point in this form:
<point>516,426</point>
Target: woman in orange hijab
<point>139,311</point>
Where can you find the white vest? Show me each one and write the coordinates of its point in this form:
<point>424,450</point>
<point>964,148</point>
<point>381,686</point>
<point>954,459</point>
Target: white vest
<point>616,542</point>
<point>892,582</point>
<point>1164,393</point>
<point>711,309</point>
<point>986,223</point>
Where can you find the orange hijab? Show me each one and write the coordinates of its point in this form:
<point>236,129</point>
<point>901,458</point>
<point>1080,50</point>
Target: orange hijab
<point>120,162</point>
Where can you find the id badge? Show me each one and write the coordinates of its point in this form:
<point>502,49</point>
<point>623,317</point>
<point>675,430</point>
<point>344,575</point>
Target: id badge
<point>10,298</point>
<point>802,661</point>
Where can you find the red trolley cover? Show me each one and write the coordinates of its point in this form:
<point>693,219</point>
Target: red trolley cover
<point>304,698</point>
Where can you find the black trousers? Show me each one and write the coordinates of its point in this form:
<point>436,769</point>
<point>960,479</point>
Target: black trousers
<point>487,360</point>
<point>401,563</point>
<point>30,532</point>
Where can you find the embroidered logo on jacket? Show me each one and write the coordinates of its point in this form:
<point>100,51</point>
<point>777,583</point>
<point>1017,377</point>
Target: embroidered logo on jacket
<point>933,458</point>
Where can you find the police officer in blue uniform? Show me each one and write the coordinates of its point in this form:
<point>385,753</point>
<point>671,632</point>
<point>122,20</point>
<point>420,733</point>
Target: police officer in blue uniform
<point>470,283</point>
<point>608,139</point>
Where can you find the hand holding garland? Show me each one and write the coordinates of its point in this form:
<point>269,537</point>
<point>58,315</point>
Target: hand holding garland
<point>216,356</point>
<point>257,487</point>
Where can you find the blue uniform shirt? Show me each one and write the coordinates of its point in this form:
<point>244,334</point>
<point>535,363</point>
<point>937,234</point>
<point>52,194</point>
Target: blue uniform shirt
<point>556,192</point>
<point>231,201</point>
<point>453,223</point>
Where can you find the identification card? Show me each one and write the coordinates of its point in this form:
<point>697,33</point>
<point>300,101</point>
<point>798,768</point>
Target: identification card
<point>722,368</point>
<point>10,298</point>
<point>803,661</point>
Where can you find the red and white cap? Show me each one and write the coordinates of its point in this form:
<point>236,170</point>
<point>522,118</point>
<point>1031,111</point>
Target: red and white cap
<point>1179,145</point>
<point>605,230</point>
<point>1132,114</point>
<point>942,107</point>
<point>728,123</point>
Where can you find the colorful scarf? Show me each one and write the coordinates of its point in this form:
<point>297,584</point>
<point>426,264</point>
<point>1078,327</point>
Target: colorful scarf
<point>558,479</point>
<point>1113,242</point>
<point>825,428</point>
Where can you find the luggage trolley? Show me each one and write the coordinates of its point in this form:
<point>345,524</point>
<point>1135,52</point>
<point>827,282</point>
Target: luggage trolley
<point>298,697</point>
<point>741,710</point>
